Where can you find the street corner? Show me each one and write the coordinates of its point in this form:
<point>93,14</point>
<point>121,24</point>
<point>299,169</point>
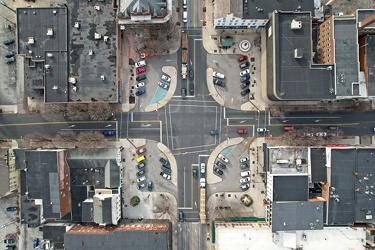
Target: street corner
<point>171,159</point>
<point>211,87</point>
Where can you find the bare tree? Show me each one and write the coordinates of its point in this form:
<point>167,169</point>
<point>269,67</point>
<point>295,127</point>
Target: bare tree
<point>77,111</point>
<point>99,111</point>
<point>307,137</point>
<point>278,111</point>
<point>39,140</point>
<point>90,139</point>
<point>163,208</point>
<point>64,138</point>
<point>360,106</point>
<point>54,111</point>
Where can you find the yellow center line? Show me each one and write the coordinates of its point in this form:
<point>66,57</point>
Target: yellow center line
<point>54,123</point>
<point>298,125</point>
<point>157,121</point>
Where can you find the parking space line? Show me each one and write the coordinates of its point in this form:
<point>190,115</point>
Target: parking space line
<point>161,132</point>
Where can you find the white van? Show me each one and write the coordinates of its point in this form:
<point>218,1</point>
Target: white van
<point>184,16</point>
<point>184,4</point>
<point>245,173</point>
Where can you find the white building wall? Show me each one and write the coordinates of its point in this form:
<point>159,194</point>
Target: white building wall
<point>230,21</point>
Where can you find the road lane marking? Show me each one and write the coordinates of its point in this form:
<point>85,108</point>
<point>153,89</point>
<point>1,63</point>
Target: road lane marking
<point>54,123</point>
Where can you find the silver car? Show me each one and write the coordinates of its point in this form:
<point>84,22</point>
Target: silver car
<point>245,180</point>
<point>223,158</point>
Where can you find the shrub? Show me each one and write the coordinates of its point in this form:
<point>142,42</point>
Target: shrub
<point>134,201</point>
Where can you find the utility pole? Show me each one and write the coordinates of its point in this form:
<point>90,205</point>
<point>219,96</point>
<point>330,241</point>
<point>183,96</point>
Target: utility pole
<point>2,2</point>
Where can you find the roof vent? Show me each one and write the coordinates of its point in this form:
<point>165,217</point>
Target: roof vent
<point>296,25</point>
<point>97,7</point>
<point>97,36</point>
<point>31,40</point>
<point>77,25</point>
<point>55,87</point>
<point>298,53</point>
<point>49,32</point>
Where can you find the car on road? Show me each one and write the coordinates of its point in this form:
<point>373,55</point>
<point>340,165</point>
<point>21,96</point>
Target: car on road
<point>141,151</point>
<point>245,180</point>
<point>244,65</point>
<point>184,16</point>
<point>195,172</point>
<point>244,84</point>
<point>245,92</point>
<point>166,78</point>
<point>244,165</point>
<point>220,165</point>
<point>140,92</point>
<point>164,161</point>
<point>149,186</point>
<point>35,242</point>
<point>219,82</point>
<point>191,74</point>
<point>288,128</point>
<point>139,85</point>
<point>141,78</point>
<point>223,158</point>
<point>244,159</point>
<point>308,134</point>
<point>10,60</point>
<point>261,130</point>
<point>242,58</point>
<point>166,176</point>
<point>140,173</point>
<point>245,186</point>
<point>245,78</point>
<point>245,72</point>
<point>242,131</point>
<point>183,93</point>
<point>140,64</point>
<point>202,182</point>
<point>140,70</point>
<point>218,75</point>
<point>141,185</point>
<point>163,85</point>
<point>11,209</point>
<point>333,128</point>
<point>181,216</point>
<point>141,165</point>
<point>214,132</point>
<point>9,41</point>
<point>203,168</point>
<point>321,134</point>
<point>143,178</point>
<point>109,132</point>
<point>9,54</point>
<point>166,169</point>
<point>191,88</point>
<point>218,171</point>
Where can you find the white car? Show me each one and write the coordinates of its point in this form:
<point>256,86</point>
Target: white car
<point>163,85</point>
<point>202,182</point>
<point>140,64</point>
<point>245,180</point>
<point>218,75</point>
<point>260,130</point>
<point>308,134</point>
<point>244,159</point>
<point>166,176</point>
<point>223,158</point>
<point>139,85</point>
<point>245,186</point>
<point>143,178</point>
<point>244,72</point>
<point>321,134</point>
<point>166,78</point>
<point>203,168</point>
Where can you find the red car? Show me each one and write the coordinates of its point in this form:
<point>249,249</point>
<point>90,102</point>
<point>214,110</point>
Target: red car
<point>140,70</point>
<point>242,58</point>
<point>288,128</point>
<point>141,151</point>
<point>242,131</point>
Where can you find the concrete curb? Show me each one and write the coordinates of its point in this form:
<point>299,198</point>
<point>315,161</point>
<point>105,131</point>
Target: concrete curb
<point>211,177</point>
<point>168,154</point>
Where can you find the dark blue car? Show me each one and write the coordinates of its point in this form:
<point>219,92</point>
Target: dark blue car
<point>140,92</point>
<point>149,186</point>
<point>35,242</point>
<point>109,132</point>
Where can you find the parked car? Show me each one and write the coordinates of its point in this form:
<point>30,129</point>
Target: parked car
<point>223,158</point>
<point>191,88</point>
<point>245,78</point>
<point>140,70</point>
<point>140,64</point>
<point>245,72</point>
<point>245,186</point>
<point>333,128</point>
<point>244,65</point>
<point>141,151</point>
<point>141,185</point>
<point>242,131</point>
<point>219,82</point>
<point>140,173</point>
<point>11,209</point>
<point>141,78</point>
<point>202,182</point>
<point>140,158</point>
<point>164,161</point>
<point>184,16</point>
<point>214,132</point>
<point>218,171</point>
<point>149,186</point>
<point>183,93</point>
<point>308,134</point>
<point>9,241</point>
<point>288,128</point>
<point>244,165</point>
<point>9,54</point>
<point>140,92</point>
<point>163,85</point>
<point>109,132</point>
<point>166,176</point>
<point>191,74</point>
<point>36,242</point>
<point>203,168</point>
<point>218,75</point>
<point>143,178</point>
<point>10,60</point>
<point>245,92</point>
<point>244,180</point>
<point>245,84</point>
<point>9,41</point>
<point>242,58</point>
<point>321,134</point>
<point>166,78</point>
<point>166,169</point>
<point>245,173</point>
<point>141,165</point>
<point>139,85</point>
<point>181,216</point>
<point>220,165</point>
<point>261,130</point>
<point>244,159</point>
<point>195,172</point>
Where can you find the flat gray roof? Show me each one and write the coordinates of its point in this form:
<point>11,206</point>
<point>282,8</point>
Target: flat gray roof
<point>260,9</point>
<point>297,78</point>
<point>346,56</point>
<point>34,23</point>
<point>318,165</point>
<point>363,14</point>
<point>290,188</point>
<point>290,216</point>
<point>370,57</point>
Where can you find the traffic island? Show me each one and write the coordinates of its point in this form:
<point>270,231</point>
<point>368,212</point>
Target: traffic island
<point>172,161</point>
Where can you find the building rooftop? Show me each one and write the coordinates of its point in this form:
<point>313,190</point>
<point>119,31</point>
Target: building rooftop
<point>288,157</point>
<point>155,7</point>
<point>318,165</point>
<point>370,60</point>
<point>224,7</point>
<point>290,188</point>
<point>4,173</point>
<point>312,82</point>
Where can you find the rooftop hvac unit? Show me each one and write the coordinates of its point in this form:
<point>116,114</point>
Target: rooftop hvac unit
<point>49,54</point>
<point>72,80</point>
<point>31,40</point>
<point>75,89</point>
<point>77,25</point>
<point>102,77</point>
<point>97,36</point>
<point>91,52</point>
<point>49,32</point>
<point>47,66</point>
<point>296,25</point>
<point>106,38</point>
<point>55,87</point>
<point>97,7</point>
<point>298,53</point>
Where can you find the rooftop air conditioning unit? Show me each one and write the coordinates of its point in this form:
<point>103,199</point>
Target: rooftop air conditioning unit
<point>91,52</point>
<point>49,54</point>
<point>106,38</point>
<point>31,40</point>
<point>77,25</point>
<point>49,32</point>
<point>97,7</point>
<point>98,36</point>
<point>296,25</point>
<point>55,87</point>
